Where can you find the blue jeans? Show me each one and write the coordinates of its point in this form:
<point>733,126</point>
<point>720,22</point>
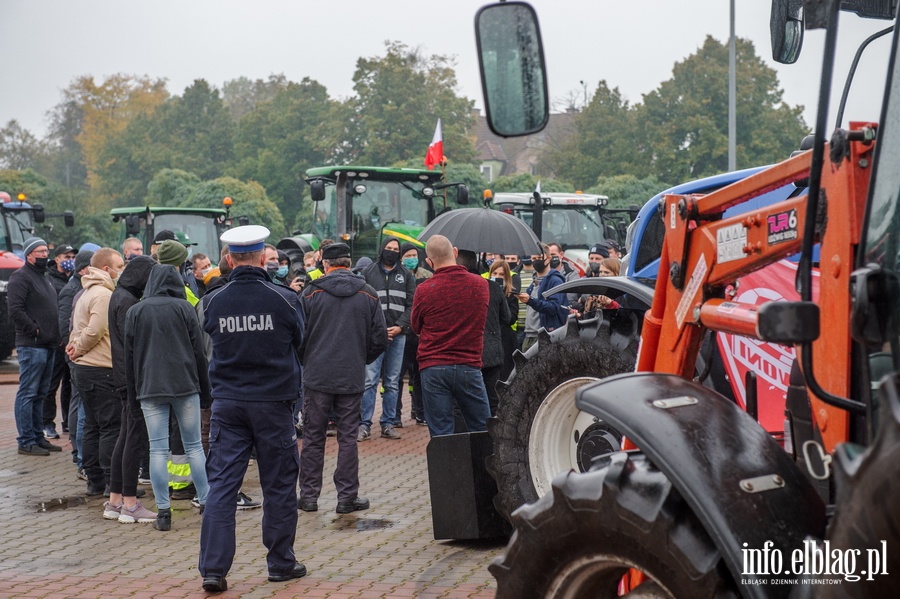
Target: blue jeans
<point>444,386</point>
<point>156,415</point>
<point>35,372</point>
<point>393,362</point>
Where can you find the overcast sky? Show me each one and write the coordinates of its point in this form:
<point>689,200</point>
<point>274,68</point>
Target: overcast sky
<point>632,45</point>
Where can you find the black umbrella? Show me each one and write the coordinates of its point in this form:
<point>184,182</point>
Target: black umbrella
<point>484,230</point>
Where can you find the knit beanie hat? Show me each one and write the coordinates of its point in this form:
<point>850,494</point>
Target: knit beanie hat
<point>31,244</point>
<point>172,252</point>
<point>82,259</point>
<point>91,247</point>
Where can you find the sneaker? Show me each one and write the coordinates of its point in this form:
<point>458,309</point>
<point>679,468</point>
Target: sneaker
<point>50,432</point>
<point>163,520</point>
<point>33,450</point>
<point>331,430</point>
<point>110,511</point>
<point>143,477</point>
<point>421,422</point>
<point>389,432</point>
<point>245,503</point>
<point>45,444</point>
<point>187,492</point>
<point>195,503</point>
<point>81,474</point>
<point>398,423</point>
<point>363,434</point>
<point>138,513</point>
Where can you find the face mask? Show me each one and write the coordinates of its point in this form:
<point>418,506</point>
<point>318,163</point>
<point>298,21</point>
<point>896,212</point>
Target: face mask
<point>594,268</point>
<point>411,263</point>
<point>131,257</point>
<point>539,265</point>
<point>68,265</point>
<point>271,266</point>
<point>281,272</point>
<point>489,261</point>
<point>41,263</point>
<point>527,262</point>
<point>205,271</point>
<point>389,257</point>
<point>554,262</point>
<point>310,268</point>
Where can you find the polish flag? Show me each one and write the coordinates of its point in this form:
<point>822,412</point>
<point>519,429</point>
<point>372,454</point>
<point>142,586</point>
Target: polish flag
<point>435,154</point>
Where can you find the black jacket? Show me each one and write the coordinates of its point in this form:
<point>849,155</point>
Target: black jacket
<point>128,292</point>
<point>257,331</point>
<point>65,303</point>
<point>345,330</point>
<point>32,303</point>
<point>57,279</point>
<point>395,289</point>
<point>498,316</point>
<point>164,357</point>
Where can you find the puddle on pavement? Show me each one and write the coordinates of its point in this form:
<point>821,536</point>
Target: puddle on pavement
<point>61,503</point>
<point>362,524</point>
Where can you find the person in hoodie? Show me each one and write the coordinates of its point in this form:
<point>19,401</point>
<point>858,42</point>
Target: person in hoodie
<point>89,349</point>
<point>345,331</point>
<point>257,329</point>
<point>166,372</point>
<point>547,313</point>
<point>59,270</point>
<point>395,286</point>
<point>123,504</point>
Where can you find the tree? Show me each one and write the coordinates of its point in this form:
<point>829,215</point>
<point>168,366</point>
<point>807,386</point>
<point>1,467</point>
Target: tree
<point>399,98</point>
<point>525,182</point>
<point>627,190</point>
<point>171,186</point>
<point>241,96</point>
<point>281,138</point>
<point>602,141</point>
<point>19,148</point>
<point>249,199</point>
<point>684,123</point>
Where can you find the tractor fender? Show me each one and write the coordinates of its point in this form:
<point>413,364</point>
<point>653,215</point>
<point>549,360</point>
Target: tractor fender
<point>744,488</point>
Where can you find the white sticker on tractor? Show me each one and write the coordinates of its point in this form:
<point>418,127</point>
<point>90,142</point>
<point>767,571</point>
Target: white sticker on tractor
<point>730,242</point>
<point>687,300</point>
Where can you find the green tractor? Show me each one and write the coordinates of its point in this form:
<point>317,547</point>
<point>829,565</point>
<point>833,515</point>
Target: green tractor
<point>360,205</point>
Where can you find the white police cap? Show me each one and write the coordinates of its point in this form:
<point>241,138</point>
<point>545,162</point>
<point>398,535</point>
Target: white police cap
<point>249,238</point>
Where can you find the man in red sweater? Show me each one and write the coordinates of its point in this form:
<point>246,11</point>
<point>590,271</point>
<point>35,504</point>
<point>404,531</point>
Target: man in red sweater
<point>448,314</point>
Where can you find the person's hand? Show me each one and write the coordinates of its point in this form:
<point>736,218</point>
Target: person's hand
<point>70,351</point>
<point>522,297</point>
<point>297,284</point>
<point>393,332</point>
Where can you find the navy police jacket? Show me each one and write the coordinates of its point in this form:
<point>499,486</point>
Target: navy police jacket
<point>256,329</point>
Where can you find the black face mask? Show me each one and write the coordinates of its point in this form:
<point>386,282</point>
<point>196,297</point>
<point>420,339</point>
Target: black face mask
<point>594,268</point>
<point>554,262</point>
<point>539,265</point>
<point>389,257</point>
<point>41,263</point>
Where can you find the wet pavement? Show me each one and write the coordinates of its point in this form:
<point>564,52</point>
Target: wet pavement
<point>54,542</point>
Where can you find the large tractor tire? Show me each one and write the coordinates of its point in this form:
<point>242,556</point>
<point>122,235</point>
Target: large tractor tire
<point>580,539</point>
<point>537,431</point>
<point>7,330</point>
<point>867,519</point>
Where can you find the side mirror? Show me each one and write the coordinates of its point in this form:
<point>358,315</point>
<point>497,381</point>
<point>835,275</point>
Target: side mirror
<point>37,210</point>
<point>69,218</point>
<point>462,195</point>
<point>317,190</point>
<point>243,221</point>
<point>513,72</point>
<point>786,30</point>
<point>132,224</point>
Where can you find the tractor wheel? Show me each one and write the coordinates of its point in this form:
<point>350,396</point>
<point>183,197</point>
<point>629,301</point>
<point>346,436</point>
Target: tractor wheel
<point>593,527</point>
<point>538,432</point>
<point>7,331</point>
<point>866,519</point>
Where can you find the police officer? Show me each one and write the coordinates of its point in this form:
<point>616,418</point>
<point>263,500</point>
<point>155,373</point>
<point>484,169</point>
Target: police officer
<point>256,329</point>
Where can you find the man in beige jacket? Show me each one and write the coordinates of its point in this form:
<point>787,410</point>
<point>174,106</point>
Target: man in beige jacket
<point>89,349</point>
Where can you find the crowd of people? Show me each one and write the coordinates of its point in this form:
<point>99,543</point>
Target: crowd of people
<point>178,369</point>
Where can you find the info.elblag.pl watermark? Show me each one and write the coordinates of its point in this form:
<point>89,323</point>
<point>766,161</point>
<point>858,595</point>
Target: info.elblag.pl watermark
<point>814,563</point>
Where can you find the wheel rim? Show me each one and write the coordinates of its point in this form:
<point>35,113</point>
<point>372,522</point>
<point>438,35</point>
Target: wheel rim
<point>563,437</point>
<point>601,573</point>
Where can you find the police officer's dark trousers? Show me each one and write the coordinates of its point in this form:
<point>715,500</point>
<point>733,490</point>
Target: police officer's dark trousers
<point>235,426</point>
<point>317,406</point>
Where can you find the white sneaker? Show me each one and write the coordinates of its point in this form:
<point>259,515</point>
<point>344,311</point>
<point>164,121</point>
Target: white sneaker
<point>136,514</point>
<point>110,511</point>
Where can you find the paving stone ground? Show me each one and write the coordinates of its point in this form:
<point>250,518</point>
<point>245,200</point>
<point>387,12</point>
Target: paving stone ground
<point>69,550</point>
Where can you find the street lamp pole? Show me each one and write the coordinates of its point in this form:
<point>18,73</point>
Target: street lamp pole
<point>732,98</point>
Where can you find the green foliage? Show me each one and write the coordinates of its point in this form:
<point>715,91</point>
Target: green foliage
<point>170,186</point>
<point>627,190</point>
<point>399,98</point>
<point>249,199</point>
